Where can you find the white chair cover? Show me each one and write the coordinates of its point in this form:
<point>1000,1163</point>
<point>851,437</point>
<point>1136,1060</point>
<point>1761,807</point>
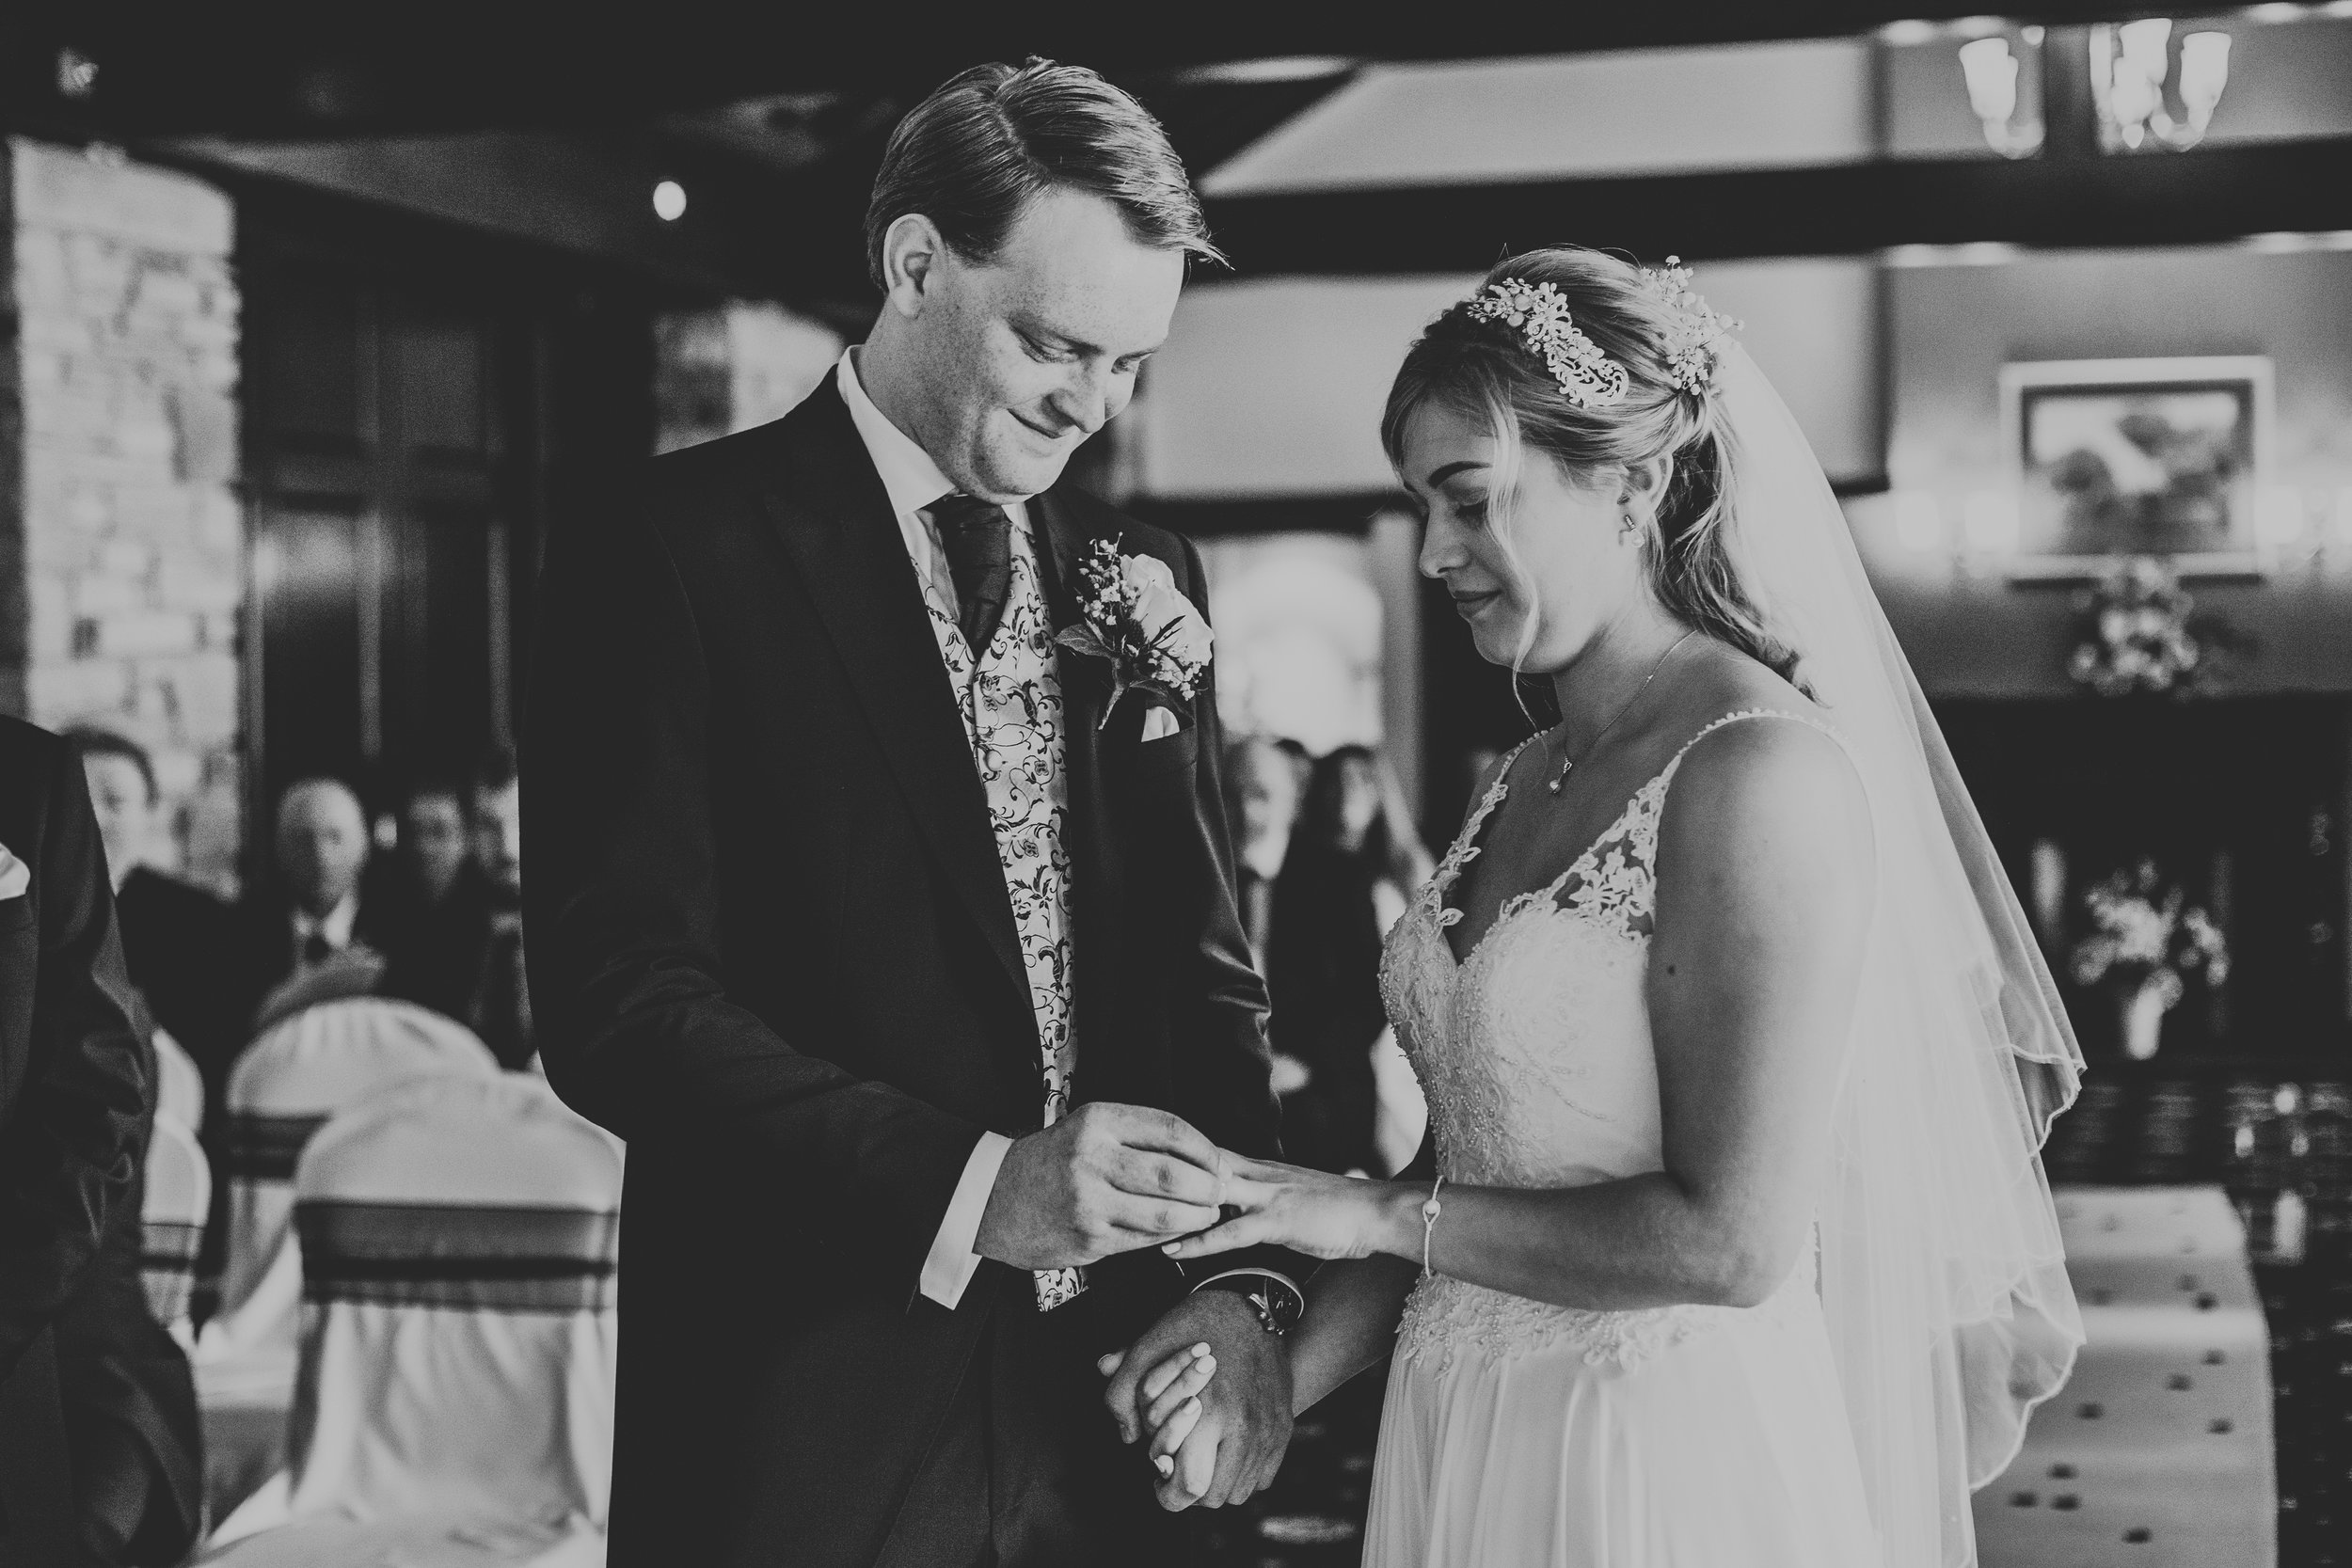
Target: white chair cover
<point>180,1084</point>
<point>455,1397</point>
<point>179,1195</point>
<point>282,1090</point>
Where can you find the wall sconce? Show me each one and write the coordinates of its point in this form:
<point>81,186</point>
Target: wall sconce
<point>2129,66</point>
<point>1992,72</point>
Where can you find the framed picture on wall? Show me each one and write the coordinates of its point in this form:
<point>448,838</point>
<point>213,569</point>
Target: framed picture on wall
<point>2138,457</point>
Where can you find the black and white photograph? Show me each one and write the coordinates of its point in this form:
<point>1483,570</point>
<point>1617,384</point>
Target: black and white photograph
<point>1550,787</point>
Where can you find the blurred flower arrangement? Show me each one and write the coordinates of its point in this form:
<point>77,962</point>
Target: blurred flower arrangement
<point>2138,631</point>
<point>2146,939</point>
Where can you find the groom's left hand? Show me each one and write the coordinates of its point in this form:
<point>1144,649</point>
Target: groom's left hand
<point>1245,1426</point>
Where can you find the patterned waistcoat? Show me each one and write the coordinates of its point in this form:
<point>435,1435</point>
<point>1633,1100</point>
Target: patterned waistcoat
<point>1010,700</point>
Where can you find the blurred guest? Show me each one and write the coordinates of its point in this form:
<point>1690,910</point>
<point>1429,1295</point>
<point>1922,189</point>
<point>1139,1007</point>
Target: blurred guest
<point>409,888</point>
<point>1339,892</point>
<point>175,936</point>
<point>76,1078</point>
<point>314,926</point>
<point>1264,777</point>
<point>466,961</point>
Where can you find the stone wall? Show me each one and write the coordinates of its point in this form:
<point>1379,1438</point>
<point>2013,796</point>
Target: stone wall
<point>127,565</point>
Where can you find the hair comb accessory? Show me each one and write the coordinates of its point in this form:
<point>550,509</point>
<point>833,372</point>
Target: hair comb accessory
<point>1693,326</point>
<point>1588,377</point>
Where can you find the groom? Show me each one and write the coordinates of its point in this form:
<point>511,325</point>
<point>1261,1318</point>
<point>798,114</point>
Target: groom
<point>903,956</point>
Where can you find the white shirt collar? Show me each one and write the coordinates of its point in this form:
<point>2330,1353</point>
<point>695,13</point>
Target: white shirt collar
<point>909,476</point>
<point>336,926</point>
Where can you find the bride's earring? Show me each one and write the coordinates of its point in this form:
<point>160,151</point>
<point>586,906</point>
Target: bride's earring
<point>1632,532</point>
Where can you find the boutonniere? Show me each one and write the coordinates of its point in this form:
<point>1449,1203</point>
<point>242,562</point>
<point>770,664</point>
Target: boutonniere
<point>15,876</point>
<point>1133,617</point>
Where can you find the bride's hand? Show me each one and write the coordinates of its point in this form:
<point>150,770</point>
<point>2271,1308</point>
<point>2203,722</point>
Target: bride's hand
<point>1306,1210</point>
<point>1168,1395</point>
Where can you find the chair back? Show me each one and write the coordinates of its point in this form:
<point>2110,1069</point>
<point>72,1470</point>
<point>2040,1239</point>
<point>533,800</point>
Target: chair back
<point>460,1239</point>
<point>281,1091</point>
<point>179,1092</point>
<point>179,1195</point>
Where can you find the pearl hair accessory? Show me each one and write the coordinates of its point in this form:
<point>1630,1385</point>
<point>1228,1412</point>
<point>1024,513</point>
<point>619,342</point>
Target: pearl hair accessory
<point>1587,377</point>
<point>1695,327</point>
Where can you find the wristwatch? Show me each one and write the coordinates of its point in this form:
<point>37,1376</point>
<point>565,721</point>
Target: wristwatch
<point>1278,1303</point>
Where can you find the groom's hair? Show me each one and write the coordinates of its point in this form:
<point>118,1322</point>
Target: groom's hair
<point>973,155</point>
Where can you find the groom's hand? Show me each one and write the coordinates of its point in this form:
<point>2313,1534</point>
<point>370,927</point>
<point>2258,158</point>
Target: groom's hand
<point>1104,1180</point>
<point>1236,1448</point>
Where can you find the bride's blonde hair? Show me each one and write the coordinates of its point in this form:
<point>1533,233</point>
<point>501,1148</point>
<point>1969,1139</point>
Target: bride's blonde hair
<point>1483,369</point>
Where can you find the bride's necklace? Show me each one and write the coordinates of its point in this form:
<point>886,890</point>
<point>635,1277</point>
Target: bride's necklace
<point>1568,763</point>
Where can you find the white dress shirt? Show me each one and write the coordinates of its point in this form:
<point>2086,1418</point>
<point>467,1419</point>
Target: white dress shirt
<point>914,482</point>
<point>335,925</point>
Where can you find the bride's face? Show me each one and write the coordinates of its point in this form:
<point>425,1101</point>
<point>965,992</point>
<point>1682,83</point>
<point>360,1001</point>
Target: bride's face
<point>1577,569</point>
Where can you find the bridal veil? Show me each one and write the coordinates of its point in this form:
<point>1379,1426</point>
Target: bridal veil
<point>1943,1278</point>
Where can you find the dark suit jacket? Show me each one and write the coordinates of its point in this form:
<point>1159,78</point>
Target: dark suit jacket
<point>448,958</point>
<point>177,941</point>
<point>129,1396</point>
<point>770,945</point>
<point>74,1076</point>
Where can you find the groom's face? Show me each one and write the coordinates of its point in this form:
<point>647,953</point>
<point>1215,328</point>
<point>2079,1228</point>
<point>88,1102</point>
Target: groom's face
<point>1028,355</point>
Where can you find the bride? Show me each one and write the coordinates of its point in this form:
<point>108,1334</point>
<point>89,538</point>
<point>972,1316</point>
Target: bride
<point>1733,1244</point>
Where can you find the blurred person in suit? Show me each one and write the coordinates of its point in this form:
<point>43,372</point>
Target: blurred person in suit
<point>466,959</point>
<point>175,935</point>
<point>1343,884</point>
<point>77,1078</point>
<point>1264,778</point>
<point>409,888</point>
<point>313,936</point>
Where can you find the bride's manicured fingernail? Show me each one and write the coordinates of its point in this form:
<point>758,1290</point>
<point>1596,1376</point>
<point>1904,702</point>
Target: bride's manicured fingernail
<point>1202,1349</point>
<point>1163,1464</point>
<point>1172,1248</point>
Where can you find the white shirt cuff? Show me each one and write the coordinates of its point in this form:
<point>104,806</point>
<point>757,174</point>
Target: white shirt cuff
<point>951,1263</point>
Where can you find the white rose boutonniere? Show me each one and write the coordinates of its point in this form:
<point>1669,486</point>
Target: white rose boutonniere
<point>1133,617</point>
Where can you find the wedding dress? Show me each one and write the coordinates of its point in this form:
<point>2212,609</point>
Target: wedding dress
<point>1520,1434</point>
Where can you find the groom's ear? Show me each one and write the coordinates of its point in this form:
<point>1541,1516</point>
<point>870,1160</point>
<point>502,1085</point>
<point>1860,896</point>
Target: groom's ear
<point>911,249</point>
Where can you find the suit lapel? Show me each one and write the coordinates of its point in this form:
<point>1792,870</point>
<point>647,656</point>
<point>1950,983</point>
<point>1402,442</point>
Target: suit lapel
<point>833,518</point>
<point>1097,849</point>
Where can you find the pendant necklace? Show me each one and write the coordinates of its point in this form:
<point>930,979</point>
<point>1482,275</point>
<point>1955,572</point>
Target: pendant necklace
<point>1568,763</point>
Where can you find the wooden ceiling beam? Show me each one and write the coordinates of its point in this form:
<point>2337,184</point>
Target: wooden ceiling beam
<point>2202,197</point>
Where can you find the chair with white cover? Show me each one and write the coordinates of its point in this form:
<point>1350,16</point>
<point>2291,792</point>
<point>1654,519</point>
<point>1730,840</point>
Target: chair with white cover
<point>179,1195</point>
<point>281,1091</point>
<point>179,1092</point>
<point>454,1404</point>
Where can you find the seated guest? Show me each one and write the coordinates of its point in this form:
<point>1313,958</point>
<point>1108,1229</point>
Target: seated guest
<point>315,921</point>
<point>410,887</point>
<point>467,962</point>
<point>175,936</point>
<point>77,1078</point>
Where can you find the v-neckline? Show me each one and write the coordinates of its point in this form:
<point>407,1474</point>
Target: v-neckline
<point>1519,903</point>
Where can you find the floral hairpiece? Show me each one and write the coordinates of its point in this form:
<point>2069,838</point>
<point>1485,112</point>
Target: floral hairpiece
<point>1693,326</point>
<point>1588,377</point>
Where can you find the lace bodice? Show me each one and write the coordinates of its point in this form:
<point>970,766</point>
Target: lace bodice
<point>1534,1050</point>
